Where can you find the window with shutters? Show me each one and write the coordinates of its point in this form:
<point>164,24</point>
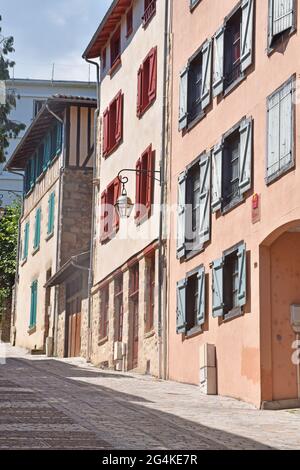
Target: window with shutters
<point>232,167</point>
<point>109,220</point>
<point>33,305</point>
<point>144,185</point>
<point>232,58</point>
<point>282,20</point>
<point>119,308</point>
<point>26,242</point>
<point>149,11</point>
<point>229,287</point>
<point>280,152</point>
<point>115,49</point>
<point>37,230</point>
<point>195,86</point>
<point>193,205</point>
<point>104,313</point>
<point>150,292</point>
<point>51,208</point>
<point>191,302</point>
<point>129,22</point>
<point>147,82</point>
<point>113,125</point>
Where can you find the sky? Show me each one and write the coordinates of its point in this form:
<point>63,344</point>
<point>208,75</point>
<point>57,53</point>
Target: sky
<point>48,32</point>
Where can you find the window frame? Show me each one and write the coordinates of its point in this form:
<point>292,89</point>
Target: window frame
<point>144,185</point>
<point>144,91</point>
<point>115,59</point>
<point>237,311</point>
<point>110,142</point>
<point>148,14</point>
<point>273,41</point>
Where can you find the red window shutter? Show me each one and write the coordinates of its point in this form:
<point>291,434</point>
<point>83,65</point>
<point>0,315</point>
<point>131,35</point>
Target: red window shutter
<point>138,188</point>
<point>105,132</point>
<point>150,176</point>
<point>117,191</point>
<point>152,74</point>
<point>140,92</point>
<point>103,217</point>
<point>119,118</point>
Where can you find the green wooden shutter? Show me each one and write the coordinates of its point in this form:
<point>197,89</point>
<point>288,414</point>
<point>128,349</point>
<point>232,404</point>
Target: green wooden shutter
<point>201,297</point>
<point>181,307</point>
<point>59,138</point>
<point>33,306</point>
<point>51,205</point>
<point>37,233</point>
<point>47,152</point>
<point>217,288</point>
<point>26,241</point>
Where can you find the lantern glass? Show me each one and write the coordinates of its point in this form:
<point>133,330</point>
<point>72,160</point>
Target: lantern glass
<point>124,206</point>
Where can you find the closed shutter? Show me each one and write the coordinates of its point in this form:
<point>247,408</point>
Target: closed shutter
<point>181,307</point>
<point>206,74</point>
<point>138,198</point>
<point>105,131</point>
<point>217,288</point>
<point>152,74</point>
<point>247,34</point>
<point>205,185</point>
<point>119,118</point>
<point>181,215</point>
<point>33,307</point>
<point>183,99</point>
<point>217,154</point>
<point>37,234</point>
<point>51,205</point>
<point>103,216</point>
<point>59,138</point>
<point>201,297</point>
<point>218,79</point>
<point>245,155</point>
<point>283,12</point>
<point>150,180</point>
<point>139,107</point>
<point>286,124</point>
<point>242,295</point>
<point>273,135</point>
<point>117,191</point>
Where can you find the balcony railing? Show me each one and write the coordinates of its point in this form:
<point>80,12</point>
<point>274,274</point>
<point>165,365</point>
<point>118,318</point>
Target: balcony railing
<point>149,12</point>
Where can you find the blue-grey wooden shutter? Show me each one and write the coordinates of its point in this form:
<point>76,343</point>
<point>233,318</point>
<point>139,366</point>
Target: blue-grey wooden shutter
<point>245,155</point>
<point>217,155</point>
<point>204,206</point>
<point>247,34</point>
<point>181,307</point>
<point>242,294</point>
<point>286,124</point>
<point>183,99</point>
<point>217,288</point>
<point>273,134</point>
<point>201,297</point>
<point>218,79</point>
<point>206,73</point>
<point>282,12</point>
<point>181,215</point>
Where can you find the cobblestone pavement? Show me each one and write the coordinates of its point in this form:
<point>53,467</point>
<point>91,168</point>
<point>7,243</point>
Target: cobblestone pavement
<point>68,404</point>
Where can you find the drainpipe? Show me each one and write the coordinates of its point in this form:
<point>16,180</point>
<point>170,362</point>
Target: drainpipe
<point>161,255</point>
<point>91,268</point>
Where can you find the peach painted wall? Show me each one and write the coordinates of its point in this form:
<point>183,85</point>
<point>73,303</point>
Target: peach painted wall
<point>238,342</point>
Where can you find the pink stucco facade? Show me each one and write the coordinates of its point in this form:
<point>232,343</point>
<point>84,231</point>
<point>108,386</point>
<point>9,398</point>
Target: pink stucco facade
<point>253,350</point>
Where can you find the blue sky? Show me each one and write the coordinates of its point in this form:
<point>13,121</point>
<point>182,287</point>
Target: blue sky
<point>51,31</point>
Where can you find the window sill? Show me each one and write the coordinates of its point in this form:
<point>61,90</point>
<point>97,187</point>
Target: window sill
<point>102,341</point>
<point>35,250</point>
<point>31,330</point>
<point>283,171</point>
<point>29,192</point>
<point>195,121</point>
<point>232,205</point>
<point>234,313</point>
<point>24,261</point>
<point>145,109</point>
<point>193,332</point>
<point>147,16</point>
<point>192,7</point>
<point>234,85</point>
<point>143,218</point>
<point>149,334</point>
<point>115,67</point>
<point>281,37</point>
<point>129,33</point>
<point>49,236</point>
<point>112,150</point>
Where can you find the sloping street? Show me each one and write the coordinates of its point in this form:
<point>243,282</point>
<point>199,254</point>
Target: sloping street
<point>68,404</point>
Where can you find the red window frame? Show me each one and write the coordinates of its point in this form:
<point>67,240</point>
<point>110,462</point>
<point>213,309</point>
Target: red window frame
<point>129,22</point>
<point>150,292</point>
<point>147,82</point>
<point>109,219</point>
<point>115,48</point>
<point>113,125</point>
<point>149,11</point>
<point>144,184</point>
<point>104,313</point>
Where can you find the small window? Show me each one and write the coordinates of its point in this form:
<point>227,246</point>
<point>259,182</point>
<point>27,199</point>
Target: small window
<point>144,184</point>
<point>119,308</point>
<point>232,60</point>
<point>37,230</point>
<point>113,125</point>
<point>115,48</point>
<point>281,19</point>
<point>194,88</point>
<point>104,313</point>
<point>109,216</point>
<point>191,302</point>
<point>150,292</point>
<point>149,11</point>
<point>51,208</point>
<point>147,82</point>
<point>192,231</point>
<point>231,168</point>
<point>26,241</point>
<point>129,22</point>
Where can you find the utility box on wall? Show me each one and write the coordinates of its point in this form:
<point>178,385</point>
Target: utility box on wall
<point>208,369</point>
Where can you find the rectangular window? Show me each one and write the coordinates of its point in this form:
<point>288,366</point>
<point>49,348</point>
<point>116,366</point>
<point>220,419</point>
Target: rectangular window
<point>190,311</point>
<point>51,208</point>
<point>115,48</point>
<point>119,308</point>
<point>193,212</point>
<point>113,125</point>
<point>280,155</point>
<point>232,62</point>
<point>26,241</point>
<point>231,278</point>
<point>231,168</point>
<point>109,217</point>
<point>147,82</point>
<point>37,230</point>
<point>33,306</point>
<point>282,15</point>
<point>194,88</point>
<point>104,312</point>
<point>129,22</point>
<point>144,184</point>
<point>150,293</point>
<point>149,11</point>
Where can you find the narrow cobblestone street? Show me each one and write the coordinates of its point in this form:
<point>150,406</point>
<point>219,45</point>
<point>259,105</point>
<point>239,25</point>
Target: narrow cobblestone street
<point>68,404</point>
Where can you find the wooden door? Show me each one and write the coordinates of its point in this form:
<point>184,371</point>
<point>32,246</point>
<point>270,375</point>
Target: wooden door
<point>74,336</point>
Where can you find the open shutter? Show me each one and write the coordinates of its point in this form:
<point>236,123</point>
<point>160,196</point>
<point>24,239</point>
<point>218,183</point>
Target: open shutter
<point>206,80</point>
<point>273,135</point>
<point>181,307</point>
<point>181,215</point>
<point>138,180</point>
<point>33,306</point>
<point>286,124</point>
<point>245,155</point>
<point>106,131</point>
<point>217,154</point>
<point>218,79</point>
<point>26,241</point>
<point>247,34</point>
<point>183,99</point>
<point>139,107</point>
<point>103,217</point>
<point>152,74</point>
<point>150,181</point>
<point>217,288</point>
<point>205,185</point>
<point>282,16</point>
<point>37,234</point>
<point>117,190</point>
<point>51,206</point>
<point>201,297</point>
<point>119,118</point>
<point>242,294</point>
<point>59,138</point>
